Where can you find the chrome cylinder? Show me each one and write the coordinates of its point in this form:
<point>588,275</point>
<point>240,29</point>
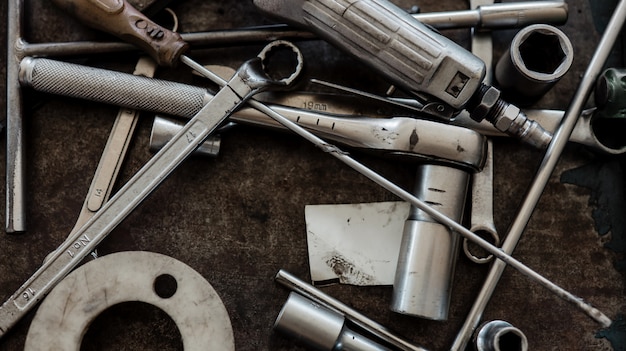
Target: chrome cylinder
<point>500,336</point>
<point>319,327</point>
<point>539,56</point>
<point>164,129</point>
<point>428,251</point>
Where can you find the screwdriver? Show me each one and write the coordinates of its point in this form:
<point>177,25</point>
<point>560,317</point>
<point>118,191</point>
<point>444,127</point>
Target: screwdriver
<point>122,20</point>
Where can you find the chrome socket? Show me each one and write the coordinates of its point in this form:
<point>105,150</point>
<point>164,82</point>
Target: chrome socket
<point>319,327</point>
<point>539,56</point>
<point>429,249</point>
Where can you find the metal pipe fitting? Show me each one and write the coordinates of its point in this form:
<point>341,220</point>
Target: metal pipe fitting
<point>500,336</point>
<point>539,56</point>
<point>319,327</point>
<point>429,249</point>
<point>499,15</point>
<point>164,129</point>
<point>295,284</point>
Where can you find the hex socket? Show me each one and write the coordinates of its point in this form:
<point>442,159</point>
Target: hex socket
<point>499,335</point>
<point>429,249</point>
<point>538,57</point>
<point>320,328</point>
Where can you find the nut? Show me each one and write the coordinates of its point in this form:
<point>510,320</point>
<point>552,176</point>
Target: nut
<point>487,102</point>
<point>505,120</point>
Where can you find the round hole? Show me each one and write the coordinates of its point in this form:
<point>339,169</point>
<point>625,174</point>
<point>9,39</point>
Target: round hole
<point>475,252</point>
<point>282,61</point>
<point>132,326</point>
<point>165,286</point>
<point>542,52</point>
<point>510,341</point>
<point>608,131</point>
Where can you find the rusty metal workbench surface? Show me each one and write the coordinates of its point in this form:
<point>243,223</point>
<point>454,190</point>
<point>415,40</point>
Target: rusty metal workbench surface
<point>239,218</point>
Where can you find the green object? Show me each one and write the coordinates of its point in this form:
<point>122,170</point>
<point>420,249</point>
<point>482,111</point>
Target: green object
<point>610,93</point>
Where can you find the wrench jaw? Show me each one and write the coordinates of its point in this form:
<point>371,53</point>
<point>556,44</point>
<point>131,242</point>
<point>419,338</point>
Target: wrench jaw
<point>259,74</point>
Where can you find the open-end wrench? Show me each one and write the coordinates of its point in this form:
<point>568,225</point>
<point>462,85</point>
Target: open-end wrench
<point>481,216</point>
<point>251,78</point>
<point>113,154</point>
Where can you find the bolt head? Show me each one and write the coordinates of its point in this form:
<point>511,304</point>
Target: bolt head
<point>507,118</point>
<point>487,102</point>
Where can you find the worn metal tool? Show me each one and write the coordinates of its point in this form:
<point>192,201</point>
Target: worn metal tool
<point>164,282</point>
<point>481,217</point>
<point>389,137</point>
<point>490,15</point>
<point>164,129</point>
<point>297,285</point>
<point>119,18</point>
<point>250,79</point>
<point>411,55</point>
<point>113,155</point>
<point>538,57</point>
<point>15,164</point>
<point>393,138</point>
<point>591,130</point>
<point>481,212</point>
<point>428,252</point>
<point>500,336</point>
<point>319,327</point>
<point>540,181</point>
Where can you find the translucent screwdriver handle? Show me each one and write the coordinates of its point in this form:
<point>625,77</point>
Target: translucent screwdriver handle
<point>111,87</point>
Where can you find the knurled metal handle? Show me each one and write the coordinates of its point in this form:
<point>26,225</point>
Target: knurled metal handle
<point>111,87</point>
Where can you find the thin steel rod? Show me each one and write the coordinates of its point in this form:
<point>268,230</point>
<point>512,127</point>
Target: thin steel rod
<point>404,195</point>
<point>307,290</point>
<point>210,38</point>
<point>492,16</point>
<point>546,168</point>
<point>15,164</point>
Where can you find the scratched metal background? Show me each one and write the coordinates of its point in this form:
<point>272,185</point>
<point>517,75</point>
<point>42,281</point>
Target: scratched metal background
<point>239,218</point>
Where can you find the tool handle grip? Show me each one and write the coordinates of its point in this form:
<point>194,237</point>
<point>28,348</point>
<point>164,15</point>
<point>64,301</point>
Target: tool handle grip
<point>119,18</point>
<point>116,88</point>
<point>391,41</point>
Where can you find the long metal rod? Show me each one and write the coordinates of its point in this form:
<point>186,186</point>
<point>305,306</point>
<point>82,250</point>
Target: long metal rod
<point>546,168</point>
<point>490,16</point>
<point>15,171</point>
<point>210,38</point>
<point>406,196</point>
<point>307,290</point>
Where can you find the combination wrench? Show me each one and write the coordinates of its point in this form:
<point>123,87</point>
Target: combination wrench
<point>113,155</point>
<point>481,214</point>
<point>251,78</point>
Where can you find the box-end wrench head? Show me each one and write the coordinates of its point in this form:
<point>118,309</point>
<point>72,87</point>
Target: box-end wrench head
<point>252,77</point>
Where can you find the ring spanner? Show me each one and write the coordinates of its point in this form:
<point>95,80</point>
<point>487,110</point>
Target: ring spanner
<point>251,78</point>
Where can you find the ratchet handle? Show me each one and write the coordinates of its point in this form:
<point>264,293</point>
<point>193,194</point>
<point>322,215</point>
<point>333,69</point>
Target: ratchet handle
<point>112,87</point>
<point>391,41</point>
<point>121,19</point>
